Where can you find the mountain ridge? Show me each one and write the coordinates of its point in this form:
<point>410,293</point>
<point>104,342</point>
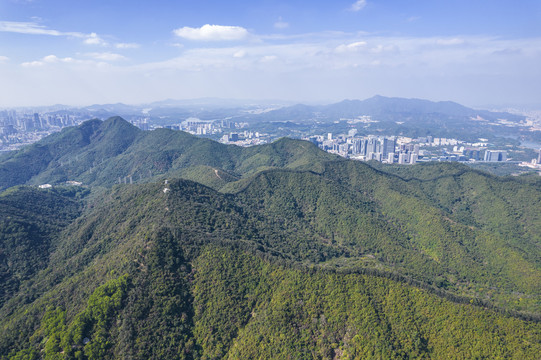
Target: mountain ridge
<point>263,252</point>
<point>101,153</point>
<point>383,108</point>
<point>138,256</point>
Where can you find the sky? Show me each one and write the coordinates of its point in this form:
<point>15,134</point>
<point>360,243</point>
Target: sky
<point>77,52</point>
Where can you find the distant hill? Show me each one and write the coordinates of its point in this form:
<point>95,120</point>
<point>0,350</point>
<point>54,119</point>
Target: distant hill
<point>398,116</point>
<point>389,115</point>
<point>112,151</point>
<point>384,108</point>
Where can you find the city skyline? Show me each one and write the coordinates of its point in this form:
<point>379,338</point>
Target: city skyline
<point>108,52</point>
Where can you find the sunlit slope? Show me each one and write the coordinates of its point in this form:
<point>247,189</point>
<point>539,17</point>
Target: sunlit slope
<point>352,216</point>
<point>114,151</point>
<point>30,221</point>
<point>188,273</point>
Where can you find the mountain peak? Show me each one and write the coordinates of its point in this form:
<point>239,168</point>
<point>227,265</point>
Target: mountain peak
<point>117,120</point>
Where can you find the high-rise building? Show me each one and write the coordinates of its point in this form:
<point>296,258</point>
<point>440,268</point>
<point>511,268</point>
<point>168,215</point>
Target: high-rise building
<point>403,158</point>
<point>387,146</point>
<point>28,123</point>
<point>343,149</point>
<point>383,146</point>
<point>356,146</point>
<point>539,157</point>
<point>7,130</point>
<point>471,154</point>
<point>372,145</point>
<point>495,155</point>
<point>37,121</point>
<point>364,147</point>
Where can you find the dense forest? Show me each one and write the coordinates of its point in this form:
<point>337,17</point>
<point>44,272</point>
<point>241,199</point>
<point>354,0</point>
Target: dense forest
<point>277,251</point>
<point>102,153</point>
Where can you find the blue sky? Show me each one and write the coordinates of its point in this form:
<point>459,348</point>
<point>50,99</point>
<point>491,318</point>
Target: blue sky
<point>81,52</point>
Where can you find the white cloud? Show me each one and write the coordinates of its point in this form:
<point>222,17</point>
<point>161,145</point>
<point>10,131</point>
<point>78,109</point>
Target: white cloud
<point>94,39</point>
<point>49,59</point>
<point>33,28</point>
<point>106,56</point>
<point>358,5</point>
<point>508,51</point>
<point>3,58</point>
<point>212,33</point>
<point>239,54</point>
<point>351,47</point>
<point>30,28</point>
<point>253,56</point>
<point>281,24</point>
<point>52,59</point>
<point>313,66</point>
<point>341,51</point>
<point>450,41</point>
<point>269,58</point>
<point>32,63</point>
<point>127,46</point>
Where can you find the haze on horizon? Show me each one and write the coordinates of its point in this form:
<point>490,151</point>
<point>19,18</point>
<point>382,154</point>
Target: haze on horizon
<point>78,53</point>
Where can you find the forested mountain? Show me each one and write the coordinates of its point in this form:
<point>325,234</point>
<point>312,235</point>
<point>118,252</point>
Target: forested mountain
<point>385,109</point>
<point>407,117</point>
<point>277,251</point>
<point>30,219</point>
<point>113,151</point>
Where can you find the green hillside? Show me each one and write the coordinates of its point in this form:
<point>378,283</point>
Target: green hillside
<point>273,251</point>
<point>186,274</point>
<point>114,151</point>
<point>30,220</point>
<point>352,216</point>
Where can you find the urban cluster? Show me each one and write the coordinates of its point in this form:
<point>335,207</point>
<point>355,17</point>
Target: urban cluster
<point>20,128</point>
<point>233,132</point>
<point>404,150</point>
<point>534,164</point>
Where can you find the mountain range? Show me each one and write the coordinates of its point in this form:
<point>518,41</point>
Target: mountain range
<point>102,152</point>
<point>384,108</point>
<point>406,117</point>
<point>279,110</point>
<point>388,116</point>
<point>180,247</point>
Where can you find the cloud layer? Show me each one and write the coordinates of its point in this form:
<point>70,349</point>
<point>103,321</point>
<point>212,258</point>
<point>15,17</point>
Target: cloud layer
<point>32,28</point>
<point>358,5</point>
<point>94,39</point>
<point>281,24</point>
<point>212,33</point>
<point>230,61</point>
